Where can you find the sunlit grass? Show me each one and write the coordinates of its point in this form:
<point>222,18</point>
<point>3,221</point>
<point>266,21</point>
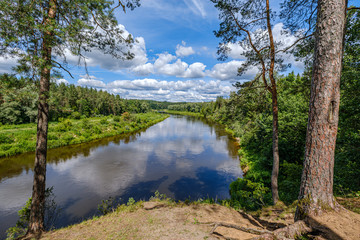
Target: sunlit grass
<point>16,139</point>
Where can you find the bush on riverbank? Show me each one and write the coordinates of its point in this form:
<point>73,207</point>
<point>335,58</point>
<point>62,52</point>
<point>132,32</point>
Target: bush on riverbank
<point>16,139</point>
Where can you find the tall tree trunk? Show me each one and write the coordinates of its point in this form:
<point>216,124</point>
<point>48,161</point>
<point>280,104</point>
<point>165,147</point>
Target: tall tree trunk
<point>36,224</point>
<point>276,160</point>
<point>316,190</point>
<point>275,170</point>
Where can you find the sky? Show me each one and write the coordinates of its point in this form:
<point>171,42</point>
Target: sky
<point>175,55</point>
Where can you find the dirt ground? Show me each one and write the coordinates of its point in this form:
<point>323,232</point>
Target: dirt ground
<point>161,220</point>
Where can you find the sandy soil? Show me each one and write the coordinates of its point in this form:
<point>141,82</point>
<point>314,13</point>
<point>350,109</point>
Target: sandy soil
<point>159,220</point>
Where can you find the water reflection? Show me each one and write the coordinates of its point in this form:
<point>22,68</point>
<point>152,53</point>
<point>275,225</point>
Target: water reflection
<point>182,157</point>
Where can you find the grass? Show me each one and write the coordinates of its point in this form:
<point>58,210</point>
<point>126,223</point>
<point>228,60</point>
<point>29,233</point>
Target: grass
<point>16,139</point>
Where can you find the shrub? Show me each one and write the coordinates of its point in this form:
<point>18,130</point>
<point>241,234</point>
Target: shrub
<point>97,130</point>
<point>116,119</point>
<point>75,115</point>
<point>85,124</point>
<point>126,116</point>
<point>5,139</point>
<point>64,125</point>
<point>103,121</point>
<point>248,195</point>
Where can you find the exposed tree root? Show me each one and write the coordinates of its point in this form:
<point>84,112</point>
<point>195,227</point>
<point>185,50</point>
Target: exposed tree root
<point>289,232</point>
<point>241,228</point>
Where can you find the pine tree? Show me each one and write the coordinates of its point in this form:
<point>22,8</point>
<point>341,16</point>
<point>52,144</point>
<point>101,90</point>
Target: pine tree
<point>39,33</point>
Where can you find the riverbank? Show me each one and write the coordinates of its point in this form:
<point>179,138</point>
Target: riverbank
<point>192,114</point>
<point>16,139</point>
<point>165,219</point>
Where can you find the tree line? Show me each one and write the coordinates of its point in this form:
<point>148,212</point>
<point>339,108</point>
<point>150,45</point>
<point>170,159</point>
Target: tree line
<point>18,101</point>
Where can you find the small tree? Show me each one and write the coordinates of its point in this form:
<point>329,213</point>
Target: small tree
<point>249,23</point>
<point>39,33</point>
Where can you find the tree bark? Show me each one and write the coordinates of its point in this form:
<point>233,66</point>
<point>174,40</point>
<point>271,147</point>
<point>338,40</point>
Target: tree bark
<point>316,190</point>
<point>36,223</point>
<point>276,159</point>
<point>275,110</point>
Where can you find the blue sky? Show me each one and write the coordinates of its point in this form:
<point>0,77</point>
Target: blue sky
<point>175,55</point>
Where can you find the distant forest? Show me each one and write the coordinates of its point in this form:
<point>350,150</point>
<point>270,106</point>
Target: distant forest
<point>19,96</point>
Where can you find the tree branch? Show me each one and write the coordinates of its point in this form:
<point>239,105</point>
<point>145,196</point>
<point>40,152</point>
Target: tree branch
<point>60,66</point>
<point>254,48</point>
<point>302,38</point>
<point>254,21</point>
<point>120,4</point>
<point>351,8</point>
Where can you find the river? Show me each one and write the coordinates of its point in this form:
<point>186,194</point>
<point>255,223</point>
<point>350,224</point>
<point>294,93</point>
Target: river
<point>182,157</point>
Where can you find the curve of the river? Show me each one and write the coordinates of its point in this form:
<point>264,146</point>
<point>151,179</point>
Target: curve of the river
<point>182,157</point>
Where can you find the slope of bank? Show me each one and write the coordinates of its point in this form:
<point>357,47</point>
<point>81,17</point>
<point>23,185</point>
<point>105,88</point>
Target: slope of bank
<point>16,139</point>
<point>169,220</point>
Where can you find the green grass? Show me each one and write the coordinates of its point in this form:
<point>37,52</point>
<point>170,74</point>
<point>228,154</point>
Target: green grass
<point>16,139</point>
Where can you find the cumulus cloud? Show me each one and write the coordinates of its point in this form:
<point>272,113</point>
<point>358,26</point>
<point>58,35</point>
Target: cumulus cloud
<point>147,88</point>
<point>106,61</point>
<point>7,63</point>
<point>195,70</point>
<point>166,65</point>
<point>91,81</point>
<point>183,51</point>
<point>236,51</point>
<point>61,80</point>
<point>229,71</point>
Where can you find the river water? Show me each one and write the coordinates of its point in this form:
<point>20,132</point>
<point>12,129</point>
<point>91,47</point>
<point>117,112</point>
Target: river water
<point>182,157</point>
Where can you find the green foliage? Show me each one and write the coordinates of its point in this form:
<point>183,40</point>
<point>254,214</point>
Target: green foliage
<point>131,202</point>
<point>106,206</point>
<point>22,224</point>
<point>159,197</point>
<point>19,102</point>
<point>103,121</point>
<point>116,119</point>
<point>5,139</point>
<point>75,115</point>
<point>126,116</point>
<point>249,195</point>
<point>85,124</point>
<point>52,212</point>
<point>17,139</point>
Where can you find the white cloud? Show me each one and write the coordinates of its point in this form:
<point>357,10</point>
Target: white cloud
<point>236,51</point>
<point>91,81</point>
<point>144,69</point>
<point>189,90</point>
<point>61,80</point>
<point>225,71</point>
<point>164,65</point>
<point>196,7</point>
<point>183,51</point>
<point>173,69</point>
<point>106,61</point>
<point>7,63</point>
<point>195,70</point>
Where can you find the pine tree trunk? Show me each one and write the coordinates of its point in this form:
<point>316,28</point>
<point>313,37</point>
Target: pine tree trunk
<point>275,170</point>
<point>36,223</point>
<point>316,190</point>
<point>275,110</point>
